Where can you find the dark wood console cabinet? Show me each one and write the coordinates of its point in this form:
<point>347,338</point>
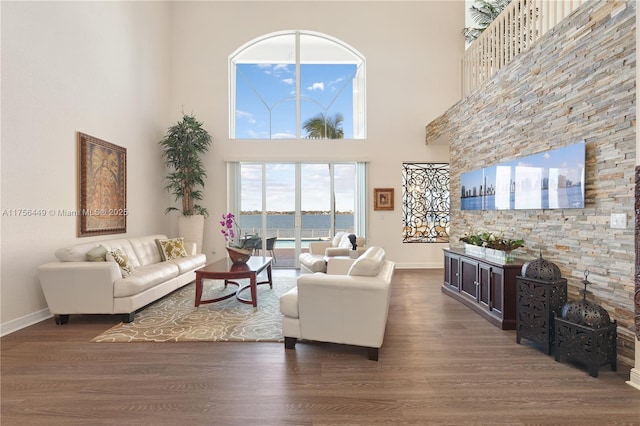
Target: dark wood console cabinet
<point>486,286</point>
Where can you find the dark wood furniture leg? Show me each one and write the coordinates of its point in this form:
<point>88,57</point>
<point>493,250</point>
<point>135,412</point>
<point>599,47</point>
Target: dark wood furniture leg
<point>199,288</point>
<point>62,319</point>
<point>373,354</point>
<point>254,290</point>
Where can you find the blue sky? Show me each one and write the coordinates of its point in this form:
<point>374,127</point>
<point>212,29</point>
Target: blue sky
<point>264,87</point>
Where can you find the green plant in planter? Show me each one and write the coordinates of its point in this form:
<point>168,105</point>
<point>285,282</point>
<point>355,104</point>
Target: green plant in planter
<point>491,240</point>
<point>182,147</point>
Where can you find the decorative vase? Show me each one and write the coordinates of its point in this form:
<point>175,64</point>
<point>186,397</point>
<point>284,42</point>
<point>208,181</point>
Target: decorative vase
<point>191,228</point>
<point>238,256</point>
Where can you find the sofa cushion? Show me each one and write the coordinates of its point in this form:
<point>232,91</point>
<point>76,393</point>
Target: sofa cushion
<point>126,247</point>
<point>189,263</point>
<point>289,303</point>
<point>97,254</point>
<point>76,253</point>
<point>369,263</point>
<point>312,262</point>
<point>144,278</point>
<point>118,256</point>
<point>172,248</point>
<point>146,249</point>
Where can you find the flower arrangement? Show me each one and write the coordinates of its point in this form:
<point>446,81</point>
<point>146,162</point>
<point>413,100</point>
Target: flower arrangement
<point>492,241</point>
<point>228,223</point>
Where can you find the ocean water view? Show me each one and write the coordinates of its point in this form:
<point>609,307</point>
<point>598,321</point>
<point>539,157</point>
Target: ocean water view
<point>314,226</point>
<point>570,197</point>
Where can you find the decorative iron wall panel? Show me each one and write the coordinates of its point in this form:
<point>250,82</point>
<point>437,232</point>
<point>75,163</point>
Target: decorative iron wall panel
<point>425,203</point>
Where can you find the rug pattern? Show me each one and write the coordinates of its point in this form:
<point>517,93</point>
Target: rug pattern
<point>175,319</point>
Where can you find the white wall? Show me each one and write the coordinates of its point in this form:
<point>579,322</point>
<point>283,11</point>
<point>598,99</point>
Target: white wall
<point>413,75</point>
<point>101,68</point>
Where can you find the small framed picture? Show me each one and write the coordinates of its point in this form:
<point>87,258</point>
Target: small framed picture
<point>383,198</point>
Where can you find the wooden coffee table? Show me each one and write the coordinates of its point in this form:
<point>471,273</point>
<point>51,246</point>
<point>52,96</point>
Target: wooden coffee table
<point>225,270</point>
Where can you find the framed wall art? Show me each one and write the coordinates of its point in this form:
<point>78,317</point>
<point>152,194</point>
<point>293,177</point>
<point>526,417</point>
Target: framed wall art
<point>383,199</point>
<point>552,179</point>
<point>102,189</point>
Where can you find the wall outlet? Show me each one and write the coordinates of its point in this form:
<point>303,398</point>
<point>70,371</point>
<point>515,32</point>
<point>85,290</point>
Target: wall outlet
<point>618,220</point>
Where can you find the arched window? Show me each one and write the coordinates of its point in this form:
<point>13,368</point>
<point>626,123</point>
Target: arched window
<point>296,85</point>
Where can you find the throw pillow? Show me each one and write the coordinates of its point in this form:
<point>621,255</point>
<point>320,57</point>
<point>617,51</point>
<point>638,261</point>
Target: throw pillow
<point>118,256</point>
<point>172,248</point>
<point>97,254</point>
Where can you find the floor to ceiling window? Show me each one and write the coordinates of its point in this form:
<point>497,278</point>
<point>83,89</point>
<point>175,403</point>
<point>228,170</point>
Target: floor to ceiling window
<point>291,204</point>
<point>297,85</point>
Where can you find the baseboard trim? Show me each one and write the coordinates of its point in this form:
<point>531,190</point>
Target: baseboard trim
<point>25,321</point>
<point>634,378</point>
<point>429,265</point>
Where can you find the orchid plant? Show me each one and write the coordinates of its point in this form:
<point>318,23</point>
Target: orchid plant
<point>228,223</point>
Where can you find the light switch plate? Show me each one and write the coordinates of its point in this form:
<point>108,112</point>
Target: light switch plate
<point>618,220</point>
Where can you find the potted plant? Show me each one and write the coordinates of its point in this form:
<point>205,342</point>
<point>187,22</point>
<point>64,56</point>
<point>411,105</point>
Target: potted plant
<point>239,248</point>
<point>491,245</point>
<point>183,146</point>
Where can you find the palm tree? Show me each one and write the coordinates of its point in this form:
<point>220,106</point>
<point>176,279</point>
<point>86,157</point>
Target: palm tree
<point>324,127</point>
<point>483,12</point>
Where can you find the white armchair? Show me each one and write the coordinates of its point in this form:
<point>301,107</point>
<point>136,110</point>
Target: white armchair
<point>320,251</point>
<point>349,304</point>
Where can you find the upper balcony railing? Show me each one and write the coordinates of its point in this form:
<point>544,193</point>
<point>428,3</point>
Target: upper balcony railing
<point>515,30</point>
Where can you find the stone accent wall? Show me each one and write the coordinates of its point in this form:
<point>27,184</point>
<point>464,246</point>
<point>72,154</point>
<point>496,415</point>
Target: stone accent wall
<point>577,83</point>
<point>637,268</point>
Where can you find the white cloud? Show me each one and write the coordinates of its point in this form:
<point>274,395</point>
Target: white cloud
<point>288,81</point>
<point>283,135</point>
<point>254,134</point>
<point>316,86</point>
<point>246,116</point>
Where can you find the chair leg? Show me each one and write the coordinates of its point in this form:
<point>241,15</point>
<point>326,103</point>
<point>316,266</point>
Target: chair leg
<point>373,354</point>
<point>290,342</point>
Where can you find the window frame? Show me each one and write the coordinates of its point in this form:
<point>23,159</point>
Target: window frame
<point>359,81</point>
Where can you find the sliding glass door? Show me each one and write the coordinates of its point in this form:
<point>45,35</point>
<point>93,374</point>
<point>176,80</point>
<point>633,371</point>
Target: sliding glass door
<point>290,205</point>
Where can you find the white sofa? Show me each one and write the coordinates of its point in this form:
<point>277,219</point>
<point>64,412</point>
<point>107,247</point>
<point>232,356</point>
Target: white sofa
<point>320,251</point>
<point>75,285</point>
<point>349,304</point>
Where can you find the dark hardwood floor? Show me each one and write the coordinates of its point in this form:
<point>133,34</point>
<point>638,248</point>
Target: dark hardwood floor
<point>441,364</point>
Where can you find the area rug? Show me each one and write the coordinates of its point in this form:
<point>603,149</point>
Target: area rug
<point>175,319</point>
